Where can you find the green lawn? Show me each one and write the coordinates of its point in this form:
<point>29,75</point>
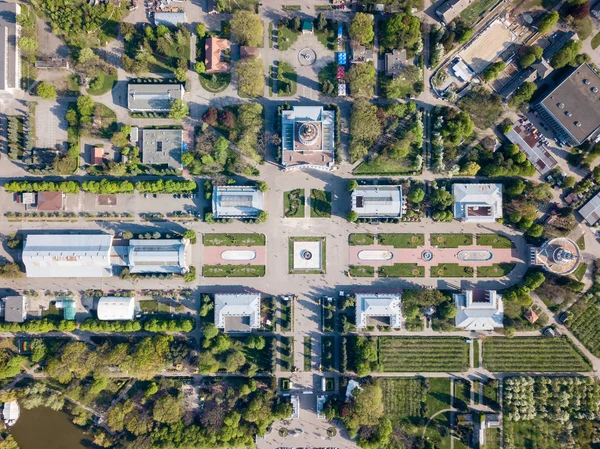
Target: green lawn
<point>287,80</point>
<point>215,82</point>
<point>402,270</point>
<point>293,203</point>
<point>451,240</point>
<point>533,354</point>
<point>286,352</point>
<point>103,83</point>
<point>581,243</point>
<point>224,271</point>
<point>361,239</point>
<point>462,395</point>
<point>320,204</point>
<point>580,271</point>
<point>385,165</point>
<point>492,439</point>
<point>401,240</point>
<point>328,36</point>
<point>423,354</point>
<point>470,15</point>
<point>490,394</point>
<point>361,271</point>
<point>438,397</point>
<point>494,240</point>
<point>451,270</point>
<point>496,270</point>
<point>286,37</point>
<point>307,354</point>
<point>596,41</point>
<point>234,240</point>
<point>475,353</point>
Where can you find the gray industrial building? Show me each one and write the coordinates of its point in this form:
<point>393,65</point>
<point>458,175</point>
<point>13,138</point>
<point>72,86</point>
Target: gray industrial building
<point>67,255</point>
<point>572,109</point>
<point>162,147</point>
<point>237,201</point>
<point>10,58</point>
<point>158,256</point>
<point>153,97</point>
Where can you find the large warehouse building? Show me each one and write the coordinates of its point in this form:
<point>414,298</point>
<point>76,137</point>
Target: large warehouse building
<point>572,109</point>
<point>158,256</point>
<point>67,255</point>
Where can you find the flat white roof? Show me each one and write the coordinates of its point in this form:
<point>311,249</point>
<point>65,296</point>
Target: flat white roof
<point>157,256</point>
<point>477,202</point>
<point>237,201</point>
<point>535,151</point>
<point>67,255</point>
<point>377,201</point>
<point>237,305</point>
<point>479,310</point>
<point>378,305</point>
<point>116,308</point>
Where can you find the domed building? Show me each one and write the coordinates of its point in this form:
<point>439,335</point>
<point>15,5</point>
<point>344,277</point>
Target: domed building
<point>559,256</point>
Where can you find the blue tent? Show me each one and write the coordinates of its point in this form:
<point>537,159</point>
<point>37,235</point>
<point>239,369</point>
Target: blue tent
<point>340,31</point>
<point>341,58</point>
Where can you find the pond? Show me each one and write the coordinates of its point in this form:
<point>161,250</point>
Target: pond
<point>43,428</point>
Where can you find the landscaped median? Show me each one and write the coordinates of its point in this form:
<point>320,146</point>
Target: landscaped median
<point>234,255</point>
<point>533,354</point>
<point>361,271</point>
<point>361,239</point>
<point>401,240</point>
<point>320,203</point>
<point>293,203</point>
<point>496,241</point>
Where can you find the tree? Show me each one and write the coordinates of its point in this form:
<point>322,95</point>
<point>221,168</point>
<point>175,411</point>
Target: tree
<point>565,55</point>
<point>447,310</point>
<point>167,410</point>
<point>247,28</point>
<point>200,68</point>
<point>85,105</point>
<point>361,78</point>
<point>535,230</point>
<point>470,168</point>
<point>86,54</point>
<point>493,71</point>
<point>361,28</point>
<point>352,185</point>
<point>570,181</point>
<point>181,74</point>
<point>441,199</point>
<point>201,30</point>
<point>10,271</point>
<point>46,90</point>
<point>416,195</point>
<point>401,30</point>
<point>251,80</point>
<point>179,110</point>
<point>352,216</point>
<point>367,407</point>
<point>28,44</point>
<point>530,55</point>
<point>321,22</point>
<point>523,94</point>
<point>548,21</point>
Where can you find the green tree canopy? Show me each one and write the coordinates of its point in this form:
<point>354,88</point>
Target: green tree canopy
<point>251,80</point>
<point>548,21</point>
<point>361,28</point>
<point>247,28</point>
<point>179,110</point>
<point>46,90</point>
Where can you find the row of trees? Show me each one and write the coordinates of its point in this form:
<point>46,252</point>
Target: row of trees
<point>106,186</point>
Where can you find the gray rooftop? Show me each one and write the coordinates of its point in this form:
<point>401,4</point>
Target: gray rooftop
<point>9,50</point>
<point>479,310</point>
<point>378,305</point>
<point>155,97</point>
<point>237,201</point>
<point>591,210</point>
<point>169,18</point>
<point>67,255</point>
<point>477,202</point>
<point>162,147</point>
<point>575,103</point>
<point>158,256</point>
<point>229,307</point>
<point>451,9</point>
<point>15,309</point>
<point>395,62</point>
<point>377,201</point>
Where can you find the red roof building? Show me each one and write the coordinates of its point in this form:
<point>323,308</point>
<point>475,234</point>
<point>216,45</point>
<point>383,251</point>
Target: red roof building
<point>49,201</point>
<point>213,48</point>
<point>97,156</point>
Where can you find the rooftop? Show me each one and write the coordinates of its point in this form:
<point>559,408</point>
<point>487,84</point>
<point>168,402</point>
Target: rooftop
<point>50,201</point>
<point>116,308</point>
<point>395,62</point>
<point>15,309</point>
<point>575,103</point>
<point>169,18</point>
<point>67,255</point>
<point>240,305</point>
<point>383,305</point>
<point>487,45</point>
<point>158,256</point>
<point>155,97</point>
<point>560,256</point>
<point>477,202</point>
<point>451,9</point>
<point>479,310</point>
<point>237,201</point>
<point>377,201</point>
<point>213,48</point>
<point>162,147</point>
<point>530,144</point>
<point>591,210</point>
